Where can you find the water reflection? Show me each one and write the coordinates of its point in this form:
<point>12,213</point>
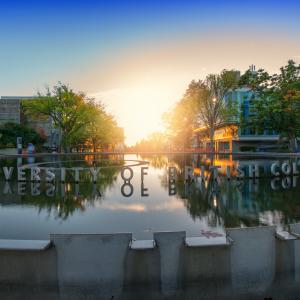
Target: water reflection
<point>234,203</point>
<point>60,199</point>
<point>157,197</point>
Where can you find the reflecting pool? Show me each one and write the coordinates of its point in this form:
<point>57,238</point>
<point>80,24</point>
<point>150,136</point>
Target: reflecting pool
<point>137,194</point>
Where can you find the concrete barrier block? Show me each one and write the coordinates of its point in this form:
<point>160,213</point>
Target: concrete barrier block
<point>285,260</point>
<point>28,268</point>
<point>93,262</point>
<point>142,271</point>
<point>206,265</point>
<point>252,258</point>
<point>295,228</point>
<point>297,260</point>
<point>170,246</point>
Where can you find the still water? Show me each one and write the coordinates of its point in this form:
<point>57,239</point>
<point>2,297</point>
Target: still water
<point>148,202</point>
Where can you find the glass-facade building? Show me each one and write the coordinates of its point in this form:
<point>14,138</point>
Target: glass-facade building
<point>233,137</point>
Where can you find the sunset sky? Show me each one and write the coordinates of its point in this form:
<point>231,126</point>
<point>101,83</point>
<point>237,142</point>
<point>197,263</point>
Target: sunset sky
<point>138,57</point>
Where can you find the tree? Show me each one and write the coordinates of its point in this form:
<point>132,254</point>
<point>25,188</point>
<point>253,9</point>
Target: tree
<point>155,142</point>
<point>278,101</point>
<point>102,129</point>
<point>81,120</point>
<point>69,111</point>
<point>179,122</point>
<point>203,105</point>
<point>10,131</point>
<point>213,110</point>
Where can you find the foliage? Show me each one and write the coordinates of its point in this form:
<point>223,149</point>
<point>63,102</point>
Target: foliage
<point>79,118</point>
<point>102,129</point>
<point>155,142</point>
<point>10,131</point>
<point>180,120</point>
<point>202,105</point>
<point>278,105</point>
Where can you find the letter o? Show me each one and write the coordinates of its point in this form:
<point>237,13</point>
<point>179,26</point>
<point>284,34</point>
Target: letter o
<point>129,185</point>
<point>286,168</point>
<point>286,183</point>
<point>123,173</point>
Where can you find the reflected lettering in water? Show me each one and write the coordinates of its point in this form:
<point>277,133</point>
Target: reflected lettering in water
<point>144,199</point>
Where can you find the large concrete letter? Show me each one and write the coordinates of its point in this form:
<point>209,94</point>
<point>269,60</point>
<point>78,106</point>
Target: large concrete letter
<point>8,172</point>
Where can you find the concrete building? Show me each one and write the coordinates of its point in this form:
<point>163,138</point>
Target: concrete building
<point>11,111</point>
<point>229,136</point>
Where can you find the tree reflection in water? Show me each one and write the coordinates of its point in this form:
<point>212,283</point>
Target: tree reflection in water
<point>235,203</point>
<point>62,199</point>
<point>225,203</point>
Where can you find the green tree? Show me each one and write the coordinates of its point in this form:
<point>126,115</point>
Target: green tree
<point>155,142</point>
<point>213,110</point>
<point>180,120</point>
<point>278,102</point>
<point>202,105</point>
<point>10,131</point>
<point>102,129</point>
<point>68,110</point>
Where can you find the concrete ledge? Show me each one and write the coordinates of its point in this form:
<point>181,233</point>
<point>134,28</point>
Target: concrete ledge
<point>24,245</point>
<point>142,244</point>
<point>204,241</point>
<point>286,236</point>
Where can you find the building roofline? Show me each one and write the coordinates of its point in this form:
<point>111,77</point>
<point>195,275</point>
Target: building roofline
<point>202,128</point>
<point>17,97</point>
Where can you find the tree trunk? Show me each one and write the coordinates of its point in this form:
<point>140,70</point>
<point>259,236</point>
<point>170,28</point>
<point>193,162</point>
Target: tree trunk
<point>212,139</point>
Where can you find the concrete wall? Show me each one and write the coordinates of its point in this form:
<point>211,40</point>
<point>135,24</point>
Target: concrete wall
<point>102,266</point>
<point>9,110</point>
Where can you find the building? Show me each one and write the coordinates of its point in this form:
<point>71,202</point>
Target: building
<point>230,137</point>
<point>11,111</point>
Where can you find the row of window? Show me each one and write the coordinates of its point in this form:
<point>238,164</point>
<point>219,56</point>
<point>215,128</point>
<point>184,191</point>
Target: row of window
<point>252,131</point>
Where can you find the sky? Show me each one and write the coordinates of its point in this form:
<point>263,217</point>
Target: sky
<point>138,57</point>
